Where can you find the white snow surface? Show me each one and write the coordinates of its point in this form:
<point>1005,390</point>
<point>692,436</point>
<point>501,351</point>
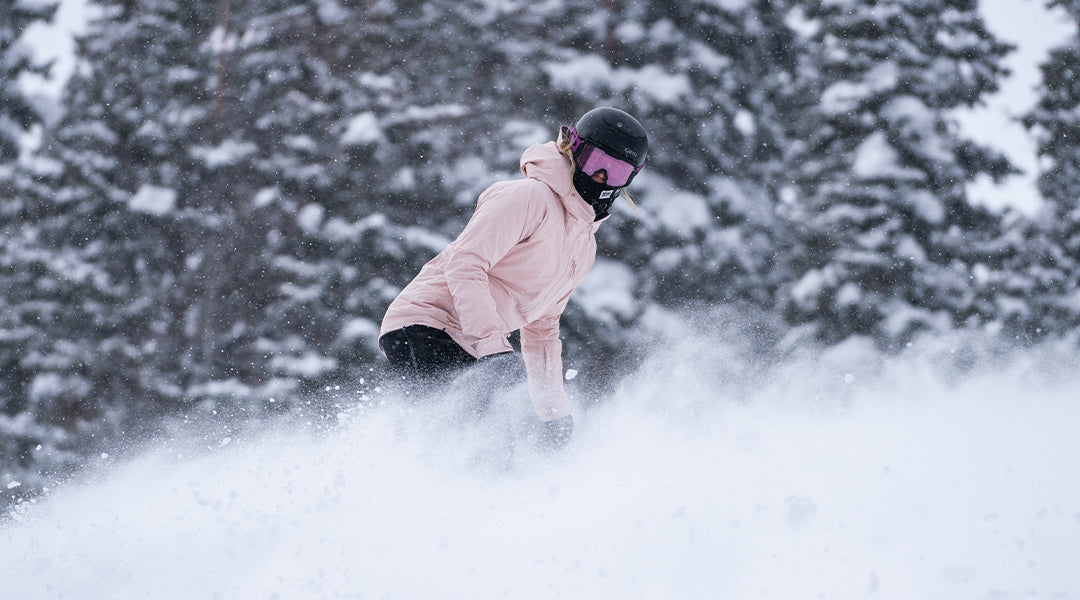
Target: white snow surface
<point>843,474</point>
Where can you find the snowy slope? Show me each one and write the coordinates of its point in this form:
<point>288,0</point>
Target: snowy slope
<point>846,475</point>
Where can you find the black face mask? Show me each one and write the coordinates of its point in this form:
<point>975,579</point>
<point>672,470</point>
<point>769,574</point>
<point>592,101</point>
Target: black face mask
<point>598,195</point>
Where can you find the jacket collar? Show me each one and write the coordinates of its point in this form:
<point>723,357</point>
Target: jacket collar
<point>545,163</point>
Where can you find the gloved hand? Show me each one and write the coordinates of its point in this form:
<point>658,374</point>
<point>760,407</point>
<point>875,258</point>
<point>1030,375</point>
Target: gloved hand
<point>553,436</point>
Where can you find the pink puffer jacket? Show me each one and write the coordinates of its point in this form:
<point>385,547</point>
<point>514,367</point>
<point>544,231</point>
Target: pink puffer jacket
<point>527,246</point>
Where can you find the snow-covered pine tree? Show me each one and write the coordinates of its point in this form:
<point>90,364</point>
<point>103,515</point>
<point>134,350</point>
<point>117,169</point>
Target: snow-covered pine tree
<point>17,113</point>
<point>883,225</point>
<point>124,210</point>
<point>1055,121</point>
<point>107,250</point>
<point>429,112</point>
<point>1019,284</point>
<point>204,144</point>
<point>31,446</point>
<point>279,84</point>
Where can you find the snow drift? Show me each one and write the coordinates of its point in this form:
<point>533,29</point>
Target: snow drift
<point>943,473</point>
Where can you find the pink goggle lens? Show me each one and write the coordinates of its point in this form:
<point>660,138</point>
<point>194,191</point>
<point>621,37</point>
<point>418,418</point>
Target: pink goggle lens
<point>592,159</point>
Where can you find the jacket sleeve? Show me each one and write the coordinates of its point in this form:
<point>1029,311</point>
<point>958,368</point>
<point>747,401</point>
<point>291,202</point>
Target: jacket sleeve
<point>498,224</point>
<point>541,349</point>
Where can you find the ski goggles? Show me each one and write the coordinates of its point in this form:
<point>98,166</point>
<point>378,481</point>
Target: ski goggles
<point>591,160</point>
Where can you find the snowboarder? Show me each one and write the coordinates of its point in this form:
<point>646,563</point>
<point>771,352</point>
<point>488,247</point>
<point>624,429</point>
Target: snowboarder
<point>529,243</point>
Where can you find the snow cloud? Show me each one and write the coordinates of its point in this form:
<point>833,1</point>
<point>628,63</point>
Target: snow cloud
<point>948,471</point>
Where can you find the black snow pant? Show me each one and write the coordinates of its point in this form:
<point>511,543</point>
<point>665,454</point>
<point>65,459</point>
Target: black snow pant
<point>424,353</point>
<point>428,358</point>
<point>425,356</point>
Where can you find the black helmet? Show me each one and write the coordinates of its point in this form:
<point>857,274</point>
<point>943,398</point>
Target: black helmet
<point>616,133</point>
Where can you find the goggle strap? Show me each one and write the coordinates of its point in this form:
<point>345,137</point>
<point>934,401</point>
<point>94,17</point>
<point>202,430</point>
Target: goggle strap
<point>575,141</point>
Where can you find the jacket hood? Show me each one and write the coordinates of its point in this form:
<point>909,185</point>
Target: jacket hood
<point>546,164</point>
